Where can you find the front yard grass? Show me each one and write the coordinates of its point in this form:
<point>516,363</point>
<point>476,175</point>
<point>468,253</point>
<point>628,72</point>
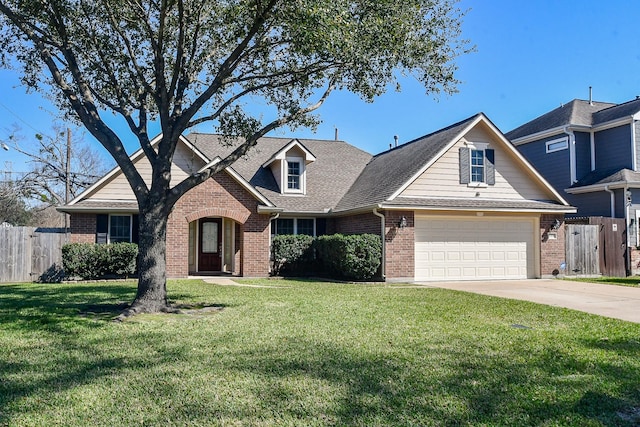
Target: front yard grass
<point>294,353</point>
<point>632,281</point>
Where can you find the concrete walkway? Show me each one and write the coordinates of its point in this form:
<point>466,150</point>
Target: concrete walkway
<point>619,302</point>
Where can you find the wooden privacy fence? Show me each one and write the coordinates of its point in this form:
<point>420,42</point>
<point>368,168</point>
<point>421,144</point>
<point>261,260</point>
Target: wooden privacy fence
<point>596,245</point>
<point>29,254</point>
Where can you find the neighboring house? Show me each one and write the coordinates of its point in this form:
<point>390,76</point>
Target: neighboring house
<point>590,153</point>
<point>460,203</point>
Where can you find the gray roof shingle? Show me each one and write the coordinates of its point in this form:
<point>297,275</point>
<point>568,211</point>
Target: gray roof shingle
<point>388,171</point>
<point>577,112</point>
<point>616,112</point>
<point>608,176</point>
<point>337,166</point>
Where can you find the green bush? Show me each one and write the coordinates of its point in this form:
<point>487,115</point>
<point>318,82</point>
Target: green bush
<point>292,254</point>
<point>355,256</point>
<point>122,257</point>
<point>91,261</point>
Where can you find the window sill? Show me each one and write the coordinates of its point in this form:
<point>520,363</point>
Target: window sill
<point>477,185</point>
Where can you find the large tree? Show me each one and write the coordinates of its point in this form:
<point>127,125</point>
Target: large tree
<point>186,62</point>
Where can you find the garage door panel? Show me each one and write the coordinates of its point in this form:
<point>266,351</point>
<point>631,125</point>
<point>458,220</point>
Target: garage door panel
<point>474,248</point>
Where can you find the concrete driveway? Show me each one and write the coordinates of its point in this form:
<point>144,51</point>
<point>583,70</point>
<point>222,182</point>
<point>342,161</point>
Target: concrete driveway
<point>619,302</point>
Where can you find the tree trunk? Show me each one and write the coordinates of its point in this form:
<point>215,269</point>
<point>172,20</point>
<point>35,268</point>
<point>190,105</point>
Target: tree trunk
<point>152,261</point>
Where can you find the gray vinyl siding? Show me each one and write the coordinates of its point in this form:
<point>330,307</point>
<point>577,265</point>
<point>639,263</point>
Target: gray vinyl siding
<point>583,154</point>
<point>595,204</point>
<point>613,148</point>
<point>637,129</point>
<point>554,167</point>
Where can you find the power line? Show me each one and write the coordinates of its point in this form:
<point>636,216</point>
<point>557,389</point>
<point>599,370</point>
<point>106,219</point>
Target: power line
<point>16,115</point>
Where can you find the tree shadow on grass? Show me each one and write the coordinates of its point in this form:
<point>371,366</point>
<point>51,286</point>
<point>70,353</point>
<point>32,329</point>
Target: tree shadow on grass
<point>471,390</point>
<point>50,305</point>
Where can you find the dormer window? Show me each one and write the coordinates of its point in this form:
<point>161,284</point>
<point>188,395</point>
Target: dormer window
<point>294,175</point>
<point>289,167</point>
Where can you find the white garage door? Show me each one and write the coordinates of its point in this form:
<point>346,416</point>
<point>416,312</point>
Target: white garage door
<point>450,248</point>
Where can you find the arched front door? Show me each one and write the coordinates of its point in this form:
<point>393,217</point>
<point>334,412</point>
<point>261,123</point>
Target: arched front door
<point>210,245</point>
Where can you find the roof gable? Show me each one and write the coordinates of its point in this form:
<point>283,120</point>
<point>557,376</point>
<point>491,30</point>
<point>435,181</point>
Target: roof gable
<point>389,174</point>
<point>296,147</point>
<point>114,185</point>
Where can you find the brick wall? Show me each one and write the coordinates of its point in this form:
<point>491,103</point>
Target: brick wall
<point>635,261</point>
<point>400,245</point>
<point>83,228</point>
<point>221,196</point>
<point>399,242</point>
<point>357,224</point>
<point>552,251</point>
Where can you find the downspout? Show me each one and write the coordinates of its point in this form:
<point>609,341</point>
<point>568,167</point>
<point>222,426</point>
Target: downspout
<point>572,154</point>
<point>592,144</point>
<point>271,218</point>
<point>613,200</point>
<point>384,249</point>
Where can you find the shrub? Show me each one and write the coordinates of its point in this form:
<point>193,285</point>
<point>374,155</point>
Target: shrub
<point>122,258</point>
<point>91,261</point>
<point>355,256</point>
<point>80,260</point>
<point>292,254</point>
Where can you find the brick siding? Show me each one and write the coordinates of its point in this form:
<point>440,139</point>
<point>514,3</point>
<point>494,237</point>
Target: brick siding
<point>552,251</point>
<point>220,196</point>
<point>83,228</point>
<point>399,242</point>
<point>400,245</point>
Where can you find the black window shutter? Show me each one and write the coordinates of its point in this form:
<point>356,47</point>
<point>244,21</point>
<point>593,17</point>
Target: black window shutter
<point>465,172</point>
<point>135,225</point>
<point>102,228</point>
<point>491,167</point>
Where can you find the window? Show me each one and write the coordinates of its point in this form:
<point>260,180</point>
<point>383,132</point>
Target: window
<point>557,145</point>
<point>293,226</point>
<point>282,226</point>
<point>305,226</point>
<point>293,175</point>
<point>119,228</point>
<point>477,165</point>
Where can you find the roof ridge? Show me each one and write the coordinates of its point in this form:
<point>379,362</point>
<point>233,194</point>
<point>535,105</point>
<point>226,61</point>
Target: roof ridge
<point>420,138</point>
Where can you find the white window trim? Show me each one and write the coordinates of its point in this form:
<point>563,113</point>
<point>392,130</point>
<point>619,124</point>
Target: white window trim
<point>130,227</point>
<point>478,146</point>
<point>564,141</point>
<point>285,181</point>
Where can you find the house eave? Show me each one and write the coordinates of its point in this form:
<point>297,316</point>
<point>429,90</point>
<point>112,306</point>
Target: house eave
<point>563,209</point>
<point>91,209</point>
<point>549,132</point>
<point>601,187</point>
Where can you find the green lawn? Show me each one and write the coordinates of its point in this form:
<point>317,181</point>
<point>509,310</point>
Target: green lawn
<point>304,353</point>
<point>632,281</point>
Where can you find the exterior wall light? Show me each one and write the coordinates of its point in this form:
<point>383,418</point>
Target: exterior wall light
<point>403,222</point>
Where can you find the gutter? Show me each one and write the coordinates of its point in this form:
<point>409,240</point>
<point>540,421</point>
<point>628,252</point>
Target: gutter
<point>382,238</point>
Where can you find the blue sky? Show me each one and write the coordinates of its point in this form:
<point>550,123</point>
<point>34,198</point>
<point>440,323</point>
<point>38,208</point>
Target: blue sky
<point>531,57</point>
